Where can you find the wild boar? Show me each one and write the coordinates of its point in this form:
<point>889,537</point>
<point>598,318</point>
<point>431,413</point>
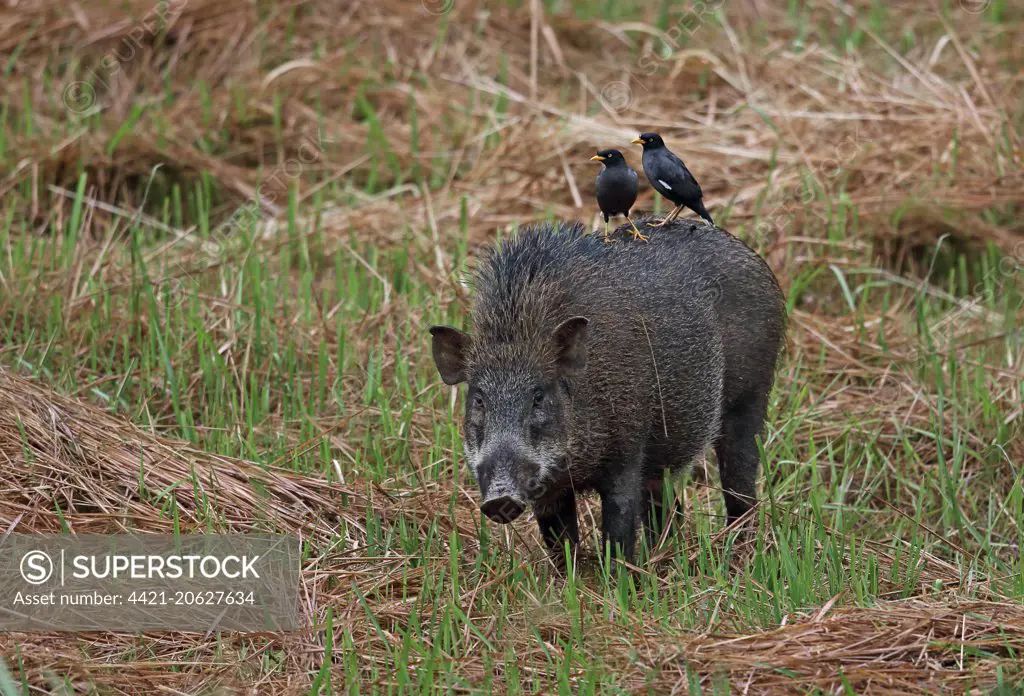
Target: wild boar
<point>596,367</point>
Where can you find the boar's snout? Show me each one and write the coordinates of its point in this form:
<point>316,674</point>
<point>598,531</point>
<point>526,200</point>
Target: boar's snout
<point>503,509</point>
<point>501,476</point>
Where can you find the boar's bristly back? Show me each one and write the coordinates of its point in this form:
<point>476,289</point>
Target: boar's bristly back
<point>523,289</point>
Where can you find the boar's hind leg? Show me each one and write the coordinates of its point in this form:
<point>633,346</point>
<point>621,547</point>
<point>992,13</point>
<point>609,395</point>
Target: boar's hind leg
<point>557,522</point>
<point>736,451</point>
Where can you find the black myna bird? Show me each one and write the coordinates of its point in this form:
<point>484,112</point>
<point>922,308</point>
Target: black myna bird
<point>617,186</point>
<point>670,177</point>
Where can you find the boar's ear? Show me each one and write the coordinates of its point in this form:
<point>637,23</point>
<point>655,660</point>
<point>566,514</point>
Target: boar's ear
<point>449,347</point>
<point>570,340</point>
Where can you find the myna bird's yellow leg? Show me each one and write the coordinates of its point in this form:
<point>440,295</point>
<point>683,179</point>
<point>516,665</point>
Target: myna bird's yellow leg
<point>659,224</point>
<point>668,218</point>
<point>607,239</point>
<point>636,232</point>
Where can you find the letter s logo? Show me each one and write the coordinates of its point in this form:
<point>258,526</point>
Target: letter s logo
<point>36,567</point>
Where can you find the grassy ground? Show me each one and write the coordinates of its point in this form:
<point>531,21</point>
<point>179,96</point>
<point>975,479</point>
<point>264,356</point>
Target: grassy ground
<point>226,226</point>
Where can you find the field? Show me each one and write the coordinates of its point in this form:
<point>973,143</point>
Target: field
<point>226,226</point>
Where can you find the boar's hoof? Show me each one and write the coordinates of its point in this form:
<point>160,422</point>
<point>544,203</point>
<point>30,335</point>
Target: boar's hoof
<point>503,510</point>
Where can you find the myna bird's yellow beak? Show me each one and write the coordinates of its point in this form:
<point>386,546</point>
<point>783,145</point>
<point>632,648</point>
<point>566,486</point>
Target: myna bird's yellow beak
<point>638,141</point>
<point>597,158</point>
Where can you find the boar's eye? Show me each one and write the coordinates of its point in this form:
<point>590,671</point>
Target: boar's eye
<point>478,401</point>
<point>538,397</point>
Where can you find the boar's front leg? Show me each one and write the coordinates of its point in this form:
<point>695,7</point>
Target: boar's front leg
<point>621,503</point>
<point>557,521</point>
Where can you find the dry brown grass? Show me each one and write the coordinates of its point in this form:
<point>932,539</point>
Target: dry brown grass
<point>87,462</point>
<point>812,109</point>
